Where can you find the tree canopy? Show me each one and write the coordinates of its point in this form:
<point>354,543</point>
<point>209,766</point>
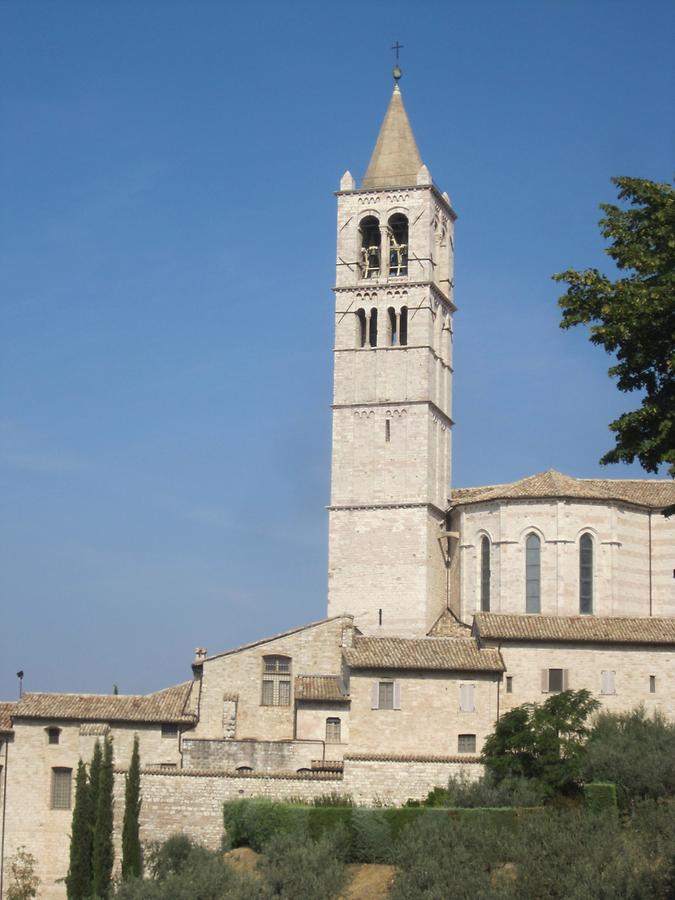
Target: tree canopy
<point>633,317</point>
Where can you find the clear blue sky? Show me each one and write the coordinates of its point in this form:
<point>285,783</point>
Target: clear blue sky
<point>166,260</point>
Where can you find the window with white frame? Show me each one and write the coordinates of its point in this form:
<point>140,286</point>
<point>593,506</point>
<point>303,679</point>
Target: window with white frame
<point>333,730</point>
<point>385,694</point>
<point>607,682</point>
<point>466,743</point>
<point>467,699</point>
<point>61,788</point>
<point>276,681</point>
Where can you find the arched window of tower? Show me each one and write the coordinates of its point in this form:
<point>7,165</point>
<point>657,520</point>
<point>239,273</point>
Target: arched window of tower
<point>398,245</point>
<point>370,247</point>
<point>392,326</point>
<point>361,328</point>
<point>373,327</point>
<point>403,327</point>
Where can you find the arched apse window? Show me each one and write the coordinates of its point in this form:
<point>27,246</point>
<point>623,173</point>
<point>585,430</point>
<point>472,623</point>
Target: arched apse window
<point>361,328</point>
<point>370,247</point>
<point>485,574</point>
<point>532,574</point>
<point>586,575</point>
<point>398,245</point>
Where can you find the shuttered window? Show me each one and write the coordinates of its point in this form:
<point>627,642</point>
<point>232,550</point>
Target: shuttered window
<point>466,697</point>
<point>385,695</point>
<point>553,681</point>
<point>607,682</point>
<point>333,731</point>
<point>61,788</point>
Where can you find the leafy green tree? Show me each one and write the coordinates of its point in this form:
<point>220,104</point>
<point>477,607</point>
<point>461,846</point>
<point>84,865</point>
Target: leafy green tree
<point>103,854</point>
<point>634,751</point>
<point>131,843</point>
<point>633,316</point>
<point>544,742</point>
<point>23,883</point>
<point>78,880</point>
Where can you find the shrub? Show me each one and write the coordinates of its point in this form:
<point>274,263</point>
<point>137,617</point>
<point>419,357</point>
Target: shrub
<point>252,823</point>
<point>600,797</point>
<point>634,751</point>
<point>333,799</point>
<point>23,883</point>
<point>299,868</point>
<point>487,792</point>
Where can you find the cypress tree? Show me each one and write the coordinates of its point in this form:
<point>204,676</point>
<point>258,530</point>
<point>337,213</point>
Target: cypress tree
<point>131,843</point>
<point>78,881</point>
<point>103,854</point>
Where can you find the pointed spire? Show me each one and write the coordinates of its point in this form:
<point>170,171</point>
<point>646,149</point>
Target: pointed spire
<point>396,160</point>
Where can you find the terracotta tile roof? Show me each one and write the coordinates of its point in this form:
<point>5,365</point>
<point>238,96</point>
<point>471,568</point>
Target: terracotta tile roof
<point>319,687</point>
<point>94,729</point>
<point>327,765</point>
<point>409,757</point>
<point>168,705</point>
<point>591,629</point>
<point>651,493</point>
<point>6,710</point>
<point>442,654</point>
<point>448,625</point>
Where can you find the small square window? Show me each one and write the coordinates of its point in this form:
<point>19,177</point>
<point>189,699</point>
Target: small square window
<point>61,788</point>
<point>509,684</point>
<point>555,680</point>
<point>652,684</point>
<point>53,735</point>
<point>466,743</point>
<point>169,730</point>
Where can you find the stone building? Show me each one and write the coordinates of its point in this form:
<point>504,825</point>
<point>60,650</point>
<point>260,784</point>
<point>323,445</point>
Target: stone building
<point>445,607</point>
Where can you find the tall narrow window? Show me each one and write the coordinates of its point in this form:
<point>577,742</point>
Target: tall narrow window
<point>586,574</point>
<point>333,731</point>
<point>403,327</point>
<point>370,247</point>
<point>61,788</point>
<point>533,574</point>
<point>373,328</point>
<point>393,337</point>
<point>276,681</point>
<point>485,574</point>
<point>361,328</point>
<point>387,430</point>
<point>466,697</point>
<point>398,245</point>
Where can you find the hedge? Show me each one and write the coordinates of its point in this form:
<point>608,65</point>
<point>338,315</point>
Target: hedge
<point>370,835</point>
<point>600,796</point>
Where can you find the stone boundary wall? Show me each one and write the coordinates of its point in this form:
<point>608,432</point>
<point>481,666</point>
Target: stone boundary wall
<point>191,801</point>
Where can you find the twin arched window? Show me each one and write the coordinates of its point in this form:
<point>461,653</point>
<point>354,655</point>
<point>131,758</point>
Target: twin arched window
<point>371,246</point>
<point>397,327</point>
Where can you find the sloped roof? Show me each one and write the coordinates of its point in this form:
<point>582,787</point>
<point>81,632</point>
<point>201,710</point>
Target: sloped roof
<point>651,493</point>
<point>168,705</point>
<point>448,625</point>
<point>319,687</point>
<point>396,160</point>
<point>582,629</point>
<point>6,711</point>
<point>441,654</point>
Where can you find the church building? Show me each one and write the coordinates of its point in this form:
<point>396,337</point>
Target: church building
<point>446,606</point>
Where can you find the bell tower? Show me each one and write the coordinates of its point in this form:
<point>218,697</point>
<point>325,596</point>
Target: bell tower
<point>392,389</point>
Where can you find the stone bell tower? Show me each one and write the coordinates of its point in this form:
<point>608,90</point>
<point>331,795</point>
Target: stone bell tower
<point>392,389</point>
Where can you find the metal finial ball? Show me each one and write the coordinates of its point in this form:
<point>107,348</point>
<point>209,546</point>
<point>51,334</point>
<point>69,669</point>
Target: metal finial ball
<point>397,73</point>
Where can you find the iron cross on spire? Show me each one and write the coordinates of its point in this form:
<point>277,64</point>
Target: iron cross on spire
<point>397,69</point>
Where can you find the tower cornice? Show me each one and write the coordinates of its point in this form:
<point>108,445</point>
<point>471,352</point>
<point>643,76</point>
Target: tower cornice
<point>439,195</point>
<point>398,403</point>
<point>371,287</point>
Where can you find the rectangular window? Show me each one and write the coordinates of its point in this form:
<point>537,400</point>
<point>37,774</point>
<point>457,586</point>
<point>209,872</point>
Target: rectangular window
<point>386,695</point>
<point>466,697</point>
<point>169,730</point>
<point>53,735</point>
<point>607,683</point>
<point>509,684</point>
<point>333,731</point>
<point>555,681</point>
<point>276,684</point>
<point>284,693</point>
<point>61,784</point>
<point>466,743</point>
<point>267,693</point>
<point>652,684</point>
